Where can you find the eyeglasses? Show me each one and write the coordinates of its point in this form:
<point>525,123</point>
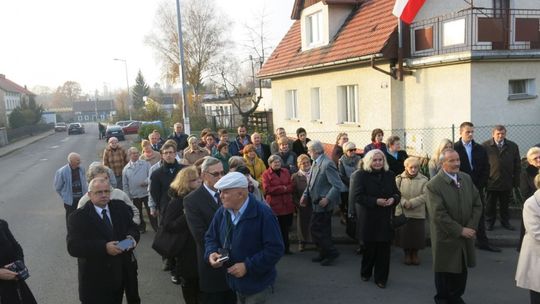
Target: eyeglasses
<point>217,173</point>
<point>102,192</point>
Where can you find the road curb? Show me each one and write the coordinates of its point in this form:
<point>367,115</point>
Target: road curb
<point>10,148</point>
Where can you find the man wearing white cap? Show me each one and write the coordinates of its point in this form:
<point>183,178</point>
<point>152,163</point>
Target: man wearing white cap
<point>244,237</point>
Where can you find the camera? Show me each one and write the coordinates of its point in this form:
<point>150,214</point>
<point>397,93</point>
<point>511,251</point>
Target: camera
<point>21,270</point>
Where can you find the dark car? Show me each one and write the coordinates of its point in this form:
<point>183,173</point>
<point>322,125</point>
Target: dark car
<point>60,127</point>
<point>75,128</point>
<point>114,131</point>
<point>132,128</point>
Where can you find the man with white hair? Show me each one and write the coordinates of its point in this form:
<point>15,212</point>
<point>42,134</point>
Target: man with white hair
<point>135,183</point>
<point>244,237</point>
<point>323,192</point>
<point>70,183</point>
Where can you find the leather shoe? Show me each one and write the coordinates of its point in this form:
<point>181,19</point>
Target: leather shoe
<point>488,247</point>
<point>507,226</point>
<point>365,279</point>
<point>317,259</point>
<point>381,285</point>
<point>328,261</point>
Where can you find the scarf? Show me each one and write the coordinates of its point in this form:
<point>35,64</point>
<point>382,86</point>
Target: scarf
<point>304,173</point>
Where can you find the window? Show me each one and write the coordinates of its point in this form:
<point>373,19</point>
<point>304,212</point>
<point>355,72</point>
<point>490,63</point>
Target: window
<point>291,103</point>
<point>347,104</point>
<point>314,28</point>
<point>521,89</point>
<point>315,104</point>
<point>454,33</point>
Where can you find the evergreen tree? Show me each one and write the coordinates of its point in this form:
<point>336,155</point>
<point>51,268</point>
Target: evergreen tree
<point>140,90</point>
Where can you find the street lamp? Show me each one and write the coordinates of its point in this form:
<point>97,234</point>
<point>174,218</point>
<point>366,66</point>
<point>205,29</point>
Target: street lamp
<point>127,83</point>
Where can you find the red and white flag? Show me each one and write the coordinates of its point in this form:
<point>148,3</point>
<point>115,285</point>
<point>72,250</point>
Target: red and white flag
<point>406,10</point>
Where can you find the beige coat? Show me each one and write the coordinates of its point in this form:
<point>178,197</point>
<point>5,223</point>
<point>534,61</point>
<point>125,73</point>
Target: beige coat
<point>412,191</point>
<point>528,268</point>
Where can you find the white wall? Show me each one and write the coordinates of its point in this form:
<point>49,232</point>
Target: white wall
<point>373,103</point>
<point>436,96</point>
<point>490,104</point>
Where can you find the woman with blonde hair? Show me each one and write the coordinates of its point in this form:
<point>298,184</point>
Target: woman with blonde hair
<point>148,154</point>
<point>174,221</point>
<point>254,163</point>
<point>378,193</point>
<point>434,164</point>
<point>411,184</point>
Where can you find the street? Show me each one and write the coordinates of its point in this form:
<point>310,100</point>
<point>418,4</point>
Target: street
<point>36,217</point>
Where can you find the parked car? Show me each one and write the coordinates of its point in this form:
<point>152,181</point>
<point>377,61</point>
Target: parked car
<point>75,128</point>
<point>132,128</point>
<point>60,127</point>
<point>114,131</point>
<point>123,123</point>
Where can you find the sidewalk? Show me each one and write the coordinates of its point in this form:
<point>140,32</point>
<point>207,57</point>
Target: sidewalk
<point>499,237</point>
<point>12,147</point>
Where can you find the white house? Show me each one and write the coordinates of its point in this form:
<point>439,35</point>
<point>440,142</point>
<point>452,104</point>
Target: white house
<point>336,69</point>
<point>11,95</point>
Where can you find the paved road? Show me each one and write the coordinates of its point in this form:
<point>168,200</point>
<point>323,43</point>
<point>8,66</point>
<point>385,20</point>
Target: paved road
<point>36,216</point>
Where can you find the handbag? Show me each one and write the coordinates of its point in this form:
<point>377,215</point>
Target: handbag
<point>398,220</point>
<point>350,227</point>
<point>167,244</point>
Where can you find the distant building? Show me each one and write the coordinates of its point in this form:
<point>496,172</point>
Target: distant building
<point>11,96</point>
<point>84,111</point>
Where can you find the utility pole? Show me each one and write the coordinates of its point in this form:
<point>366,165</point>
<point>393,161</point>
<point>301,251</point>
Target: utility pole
<point>187,128</point>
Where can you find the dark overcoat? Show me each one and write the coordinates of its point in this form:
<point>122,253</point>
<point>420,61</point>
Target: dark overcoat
<point>101,275</point>
<point>200,207</point>
<point>452,207</point>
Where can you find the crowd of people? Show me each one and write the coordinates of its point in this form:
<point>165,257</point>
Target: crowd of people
<point>205,197</point>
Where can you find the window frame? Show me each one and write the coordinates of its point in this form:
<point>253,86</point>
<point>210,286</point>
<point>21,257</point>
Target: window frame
<point>529,86</point>
<point>348,108</point>
<point>291,104</point>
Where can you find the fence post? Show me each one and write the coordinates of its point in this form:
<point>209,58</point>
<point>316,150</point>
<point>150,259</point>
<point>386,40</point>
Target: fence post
<point>453,133</point>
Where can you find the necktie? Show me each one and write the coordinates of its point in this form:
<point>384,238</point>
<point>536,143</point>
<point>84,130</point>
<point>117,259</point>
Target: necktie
<point>218,199</point>
<point>106,219</point>
<point>500,145</point>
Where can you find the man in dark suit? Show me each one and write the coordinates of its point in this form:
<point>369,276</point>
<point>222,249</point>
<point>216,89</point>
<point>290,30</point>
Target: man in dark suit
<point>505,170</point>
<point>93,235</point>
<point>263,150</point>
<point>324,191</point>
<point>454,211</point>
<point>474,161</point>
<point>200,206</point>
<point>179,137</point>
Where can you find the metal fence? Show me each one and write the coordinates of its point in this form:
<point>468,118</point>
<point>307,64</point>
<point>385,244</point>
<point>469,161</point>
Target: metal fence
<point>258,121</point>
<point>26,131</point>
<point>423,142</point>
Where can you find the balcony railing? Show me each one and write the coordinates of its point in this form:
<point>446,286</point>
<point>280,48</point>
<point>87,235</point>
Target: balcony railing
<point>477,29</point>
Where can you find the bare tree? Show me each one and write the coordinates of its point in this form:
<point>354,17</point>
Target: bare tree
<point>246,99</point>
<point>204,40</point>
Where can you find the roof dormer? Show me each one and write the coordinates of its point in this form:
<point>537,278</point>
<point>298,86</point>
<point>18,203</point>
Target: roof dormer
<point>321,20</point>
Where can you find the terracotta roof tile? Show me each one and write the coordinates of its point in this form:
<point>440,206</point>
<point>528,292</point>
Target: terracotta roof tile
<point>10,86</point>
<point>366,32</point>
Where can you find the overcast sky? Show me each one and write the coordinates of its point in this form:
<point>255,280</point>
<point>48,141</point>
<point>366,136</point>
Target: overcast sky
<point>48,42</point>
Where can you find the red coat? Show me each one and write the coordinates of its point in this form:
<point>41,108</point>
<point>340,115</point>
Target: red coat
<point>278,191</point>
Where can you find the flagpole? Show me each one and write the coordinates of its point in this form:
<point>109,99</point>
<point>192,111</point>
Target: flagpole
<point>400,49</point>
